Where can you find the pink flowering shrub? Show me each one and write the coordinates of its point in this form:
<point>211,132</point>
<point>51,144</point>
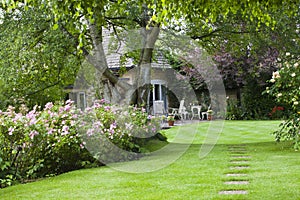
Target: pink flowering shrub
<point>114,133</point>
<point>39,142</point>
<point>60,138</point>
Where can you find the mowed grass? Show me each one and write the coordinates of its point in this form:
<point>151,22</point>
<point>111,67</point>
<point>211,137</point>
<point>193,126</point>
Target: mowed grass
<point>273,171</point>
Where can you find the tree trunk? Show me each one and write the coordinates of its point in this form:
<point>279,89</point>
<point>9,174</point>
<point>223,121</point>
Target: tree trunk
<point>115,91</point>
<point>143,79</point>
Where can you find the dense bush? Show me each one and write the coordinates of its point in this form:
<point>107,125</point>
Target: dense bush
<point>53,140</point>
<point>286,90</point>
<point>256,105</point>
<point>110,133</point>
<point>234,110</point>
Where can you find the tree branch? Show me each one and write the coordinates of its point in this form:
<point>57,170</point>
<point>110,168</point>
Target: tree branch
<point>206,35</point>
<point>42,89</point>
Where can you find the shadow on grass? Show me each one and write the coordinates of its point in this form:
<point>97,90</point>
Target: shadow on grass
<point>170,153</point>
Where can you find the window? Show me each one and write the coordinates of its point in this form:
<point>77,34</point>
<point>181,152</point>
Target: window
<point>81,103</point>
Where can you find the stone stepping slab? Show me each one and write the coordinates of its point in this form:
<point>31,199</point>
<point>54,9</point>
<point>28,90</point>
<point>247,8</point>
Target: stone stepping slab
<point>228,192</point>
<point>236,182</point>
<point>239,167</point>
<point>239,161</point>
<point>236,174</point>
<point>240,157</point>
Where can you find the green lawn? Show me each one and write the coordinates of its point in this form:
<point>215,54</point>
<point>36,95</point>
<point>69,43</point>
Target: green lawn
<point>273,171</point>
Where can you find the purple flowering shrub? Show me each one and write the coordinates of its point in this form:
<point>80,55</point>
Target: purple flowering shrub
<point>60,138</point>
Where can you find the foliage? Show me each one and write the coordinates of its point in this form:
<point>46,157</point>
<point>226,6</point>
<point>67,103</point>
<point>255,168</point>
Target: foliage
<point>39,143</point>
<point>258,105</point>
<point>126,130</point>
<point>285,88</point>
<point>47,142</point>
<point>233,111</point>
<point>36,62</point>
<point>277,112</point>
<point>82,22</point>
<point>171,118</point>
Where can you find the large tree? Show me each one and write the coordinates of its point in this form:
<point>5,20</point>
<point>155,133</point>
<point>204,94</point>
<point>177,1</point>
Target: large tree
<point>83,22</point>
<point>36,62</point>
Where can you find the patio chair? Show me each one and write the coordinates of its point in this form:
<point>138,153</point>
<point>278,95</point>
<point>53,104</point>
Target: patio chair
<point>158,108</point>
<point>194,114</point>
<point>182,110</point>
<point>205,113</point>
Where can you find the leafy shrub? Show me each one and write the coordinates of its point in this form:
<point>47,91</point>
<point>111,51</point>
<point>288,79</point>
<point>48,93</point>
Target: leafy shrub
<point>285,88</point>
<point>56,139</point>
<point>256,104</point>
<point>290,130</point>
<point>234,111</point>
<point>111,133</point>
<point>39,143</point>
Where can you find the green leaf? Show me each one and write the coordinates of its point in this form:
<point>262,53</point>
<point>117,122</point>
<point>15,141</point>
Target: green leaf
<point>55,27</point>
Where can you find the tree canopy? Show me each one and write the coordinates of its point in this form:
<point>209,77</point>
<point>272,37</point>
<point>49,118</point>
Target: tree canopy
<point>74,27</point>
<point>36,61</point>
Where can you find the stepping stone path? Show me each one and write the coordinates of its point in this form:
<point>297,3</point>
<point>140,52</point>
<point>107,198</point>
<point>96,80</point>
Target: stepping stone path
<point>239,161</point>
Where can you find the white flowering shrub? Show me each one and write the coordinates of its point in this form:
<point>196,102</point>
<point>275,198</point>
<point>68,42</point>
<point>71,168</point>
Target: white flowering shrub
<point>286,89</point>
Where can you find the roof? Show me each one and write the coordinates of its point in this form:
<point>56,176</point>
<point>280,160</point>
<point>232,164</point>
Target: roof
<point>114,49</point>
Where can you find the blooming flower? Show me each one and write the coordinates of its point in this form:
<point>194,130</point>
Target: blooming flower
<point>50,131</point>
<point>128,126</point>
<point>33,133</point>
<point>90,132</point>
<point>65,130</point>
<point>31,114</point>
<point>113,126</point>
<point>48,106</point>
<point>102,101</point>
<point>107,108</point>
<point>61,109</point>
<point>279,94</point>
<point>275,75</point>
<point>17,117</point>
<point>67,108</point>
<point>11,130</point>
<point>293,74</point>
<point>153,129</point>
<point>69,101</point>
<point>33,121</point>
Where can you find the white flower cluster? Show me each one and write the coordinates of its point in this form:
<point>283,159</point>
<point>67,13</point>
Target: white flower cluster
<point>275,76</point>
